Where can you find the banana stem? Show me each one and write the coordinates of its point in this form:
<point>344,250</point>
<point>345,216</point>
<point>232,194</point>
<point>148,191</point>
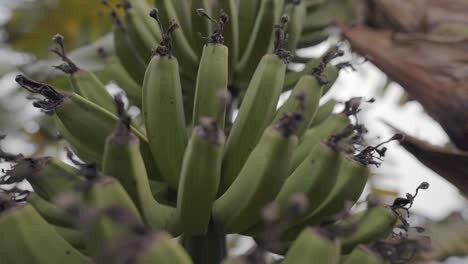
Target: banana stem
<point>206,249</point>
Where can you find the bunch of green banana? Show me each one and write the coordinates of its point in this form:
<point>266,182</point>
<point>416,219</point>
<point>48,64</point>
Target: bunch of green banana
<point>191,169</point>
<point>246,35</point>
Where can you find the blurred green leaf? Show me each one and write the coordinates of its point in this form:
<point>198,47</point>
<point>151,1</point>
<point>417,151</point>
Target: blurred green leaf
<point>33,25</point>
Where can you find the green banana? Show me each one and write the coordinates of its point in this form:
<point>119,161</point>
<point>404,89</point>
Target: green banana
<point>138,31</point>
<point>212,79</point>
<point>312,247</point>
<point>259,180</point>
<point>279,9</point>
<point>306,97</point>
<point>126,51</point>
<point>163,110</point>
<point>310,29</point>
<point>297,11</point>
<point>103,195</point>
<point>84,83</point>
<point>292,77</point>
<point>160,248</point>
<point>90,87</point>
<point>78,115</point>
<point>315,135</point>
<point>373,224</point>
<point>362,255</point>
<point>105,192</point>
<point>248,10</point>
<point>122,160</point>
<point>232,33</point>
<point>320,68</point>
<point>113,231</point>
<point>182,47</point>
<point>142,9</point>
<point>48,176</point>
<point>118,74</point>
<point>200,176</point>
<point>323,112</point>
<point>49,211</point>
<point>256,112</point>
<point>314,178</point>
<point>188,96</point>
<point>327,14</point>
<point>21,227</point>
<point>84,151</point>
<point>330,75</point>
<point>72,236</point>
<point>299,60</point>
<point>200,26</point>
<point>163,193</point>
<point>53,177</point>
<point>259,42</point>
<point>184,16</point>
<point>207,248</point>
<point>312,39</point>
<point>352,178</point>
<point>314,3</point>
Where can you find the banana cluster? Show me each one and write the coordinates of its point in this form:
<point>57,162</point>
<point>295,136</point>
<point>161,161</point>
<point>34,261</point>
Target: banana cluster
<point>189,169</point>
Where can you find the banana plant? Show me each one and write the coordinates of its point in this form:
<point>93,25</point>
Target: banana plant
<point>169,190</point>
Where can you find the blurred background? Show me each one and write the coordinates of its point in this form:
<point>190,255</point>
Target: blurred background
<point>26,28</point>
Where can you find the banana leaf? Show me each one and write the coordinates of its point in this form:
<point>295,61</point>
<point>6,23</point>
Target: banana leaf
<point>447,161</point>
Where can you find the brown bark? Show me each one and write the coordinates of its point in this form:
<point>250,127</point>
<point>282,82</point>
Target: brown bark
<point>450,164</point>
<point>432,72</point>
<point>423,45</point>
